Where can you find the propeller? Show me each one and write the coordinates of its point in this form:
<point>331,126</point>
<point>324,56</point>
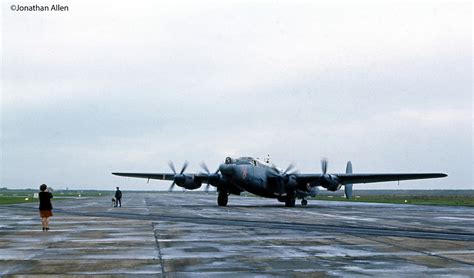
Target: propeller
<point>206,169</point>
<point>324,165</point>
<point>287,171</point>
<point>283,178</point>
<point>328,179</point>
<point>289,168</point>
<point>185,165</point>
<point>324,169</point>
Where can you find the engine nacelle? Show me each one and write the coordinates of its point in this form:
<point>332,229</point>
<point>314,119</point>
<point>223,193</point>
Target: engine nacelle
<point>330,182</point>
<point>189,182</point>
<point>290,183</point>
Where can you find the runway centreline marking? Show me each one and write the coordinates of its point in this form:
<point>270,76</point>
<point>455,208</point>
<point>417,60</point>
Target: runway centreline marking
<point>274,225</point>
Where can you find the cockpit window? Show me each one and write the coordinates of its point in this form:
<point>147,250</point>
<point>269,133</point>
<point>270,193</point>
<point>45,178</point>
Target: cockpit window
<point>243,161</point>
<point>228,160</point>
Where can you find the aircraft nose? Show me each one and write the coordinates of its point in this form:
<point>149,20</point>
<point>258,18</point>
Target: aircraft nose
<point>226,169</point>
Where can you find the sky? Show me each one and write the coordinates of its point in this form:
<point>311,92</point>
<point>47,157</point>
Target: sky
<point>129,85</point>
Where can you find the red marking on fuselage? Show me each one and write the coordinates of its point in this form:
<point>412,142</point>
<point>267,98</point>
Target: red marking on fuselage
<point>244,172</point>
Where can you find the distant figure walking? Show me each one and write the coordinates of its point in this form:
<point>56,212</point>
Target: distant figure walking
<point>45,206</point>
<point>118,197</point>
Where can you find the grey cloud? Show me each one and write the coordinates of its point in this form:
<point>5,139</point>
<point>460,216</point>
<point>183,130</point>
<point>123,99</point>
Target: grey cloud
<point>203,83</point>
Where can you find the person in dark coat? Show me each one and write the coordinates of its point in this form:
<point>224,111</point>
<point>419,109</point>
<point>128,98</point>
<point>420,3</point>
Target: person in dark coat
<point>45,206</point>
<point>118,197</point>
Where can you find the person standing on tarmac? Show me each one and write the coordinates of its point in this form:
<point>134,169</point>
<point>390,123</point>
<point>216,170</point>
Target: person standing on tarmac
<point>45,206</point>
<point>118,197</point>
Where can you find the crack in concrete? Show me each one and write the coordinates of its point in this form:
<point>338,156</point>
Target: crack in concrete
<point>157,241</point>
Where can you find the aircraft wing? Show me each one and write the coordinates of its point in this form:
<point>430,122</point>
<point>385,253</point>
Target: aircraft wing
<point>155,176</point>
<point>369,178</point>
<point>161,176</point>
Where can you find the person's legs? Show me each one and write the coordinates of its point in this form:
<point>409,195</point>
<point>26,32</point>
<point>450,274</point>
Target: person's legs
<point>120,201</point>
<point>43,222</point>
<point>46,221</point>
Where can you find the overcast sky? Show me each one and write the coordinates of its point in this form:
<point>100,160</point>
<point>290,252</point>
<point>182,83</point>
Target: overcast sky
<point>110,86</point>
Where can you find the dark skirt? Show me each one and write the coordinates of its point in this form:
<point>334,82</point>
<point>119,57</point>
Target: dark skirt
<point>46,213</point>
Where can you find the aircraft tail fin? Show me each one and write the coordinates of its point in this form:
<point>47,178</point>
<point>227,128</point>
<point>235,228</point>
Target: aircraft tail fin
<point>348,187</point>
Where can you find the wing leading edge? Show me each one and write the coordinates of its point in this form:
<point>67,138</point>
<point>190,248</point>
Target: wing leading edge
<point>370,178</point>
<point>155,176</point>
<point>203,177</point>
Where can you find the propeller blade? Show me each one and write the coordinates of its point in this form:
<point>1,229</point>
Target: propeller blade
<point>324,165</point>
<point>171,187</point>
<point>170,163</point>
<point>290,167</point>
<point>185,165</point>
<point>204,167</point>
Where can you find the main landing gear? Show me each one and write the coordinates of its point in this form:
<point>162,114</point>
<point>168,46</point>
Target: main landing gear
<point>222,198</point>
<point>290,202</point>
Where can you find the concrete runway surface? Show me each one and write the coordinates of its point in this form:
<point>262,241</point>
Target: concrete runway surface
<point>187,234</point>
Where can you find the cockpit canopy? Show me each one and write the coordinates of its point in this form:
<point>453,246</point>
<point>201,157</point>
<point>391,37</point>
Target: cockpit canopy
<point>246,160</point>
<point>239,161</point>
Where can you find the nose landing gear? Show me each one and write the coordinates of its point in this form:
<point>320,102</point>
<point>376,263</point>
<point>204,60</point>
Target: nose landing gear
<point>304,202</point>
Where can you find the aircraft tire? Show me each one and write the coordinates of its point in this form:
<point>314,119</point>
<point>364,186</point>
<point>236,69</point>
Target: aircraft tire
<point>290,203</point>
<point>304,202</point>
<point>222,199</point>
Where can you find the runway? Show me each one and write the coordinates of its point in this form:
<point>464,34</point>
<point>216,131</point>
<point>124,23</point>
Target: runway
<point>187,234</point>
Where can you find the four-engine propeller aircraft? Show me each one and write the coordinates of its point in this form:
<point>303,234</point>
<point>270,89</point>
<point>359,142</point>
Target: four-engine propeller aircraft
<point>266,180</point>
